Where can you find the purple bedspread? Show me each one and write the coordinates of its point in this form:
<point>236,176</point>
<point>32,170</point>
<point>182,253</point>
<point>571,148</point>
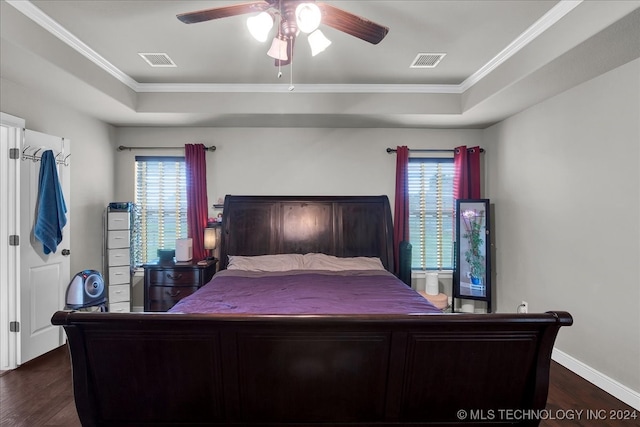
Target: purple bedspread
<point>305,292</point>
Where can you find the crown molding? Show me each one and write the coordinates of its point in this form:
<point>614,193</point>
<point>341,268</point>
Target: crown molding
<point>45,21</point>
<point>540,26</point>
<point>547,20</point>
<point>297,88</point>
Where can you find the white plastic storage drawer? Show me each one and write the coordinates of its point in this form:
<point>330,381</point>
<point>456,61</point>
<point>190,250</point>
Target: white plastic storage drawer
<point>118,239</point>
<point>119,293</point>
<point>119,257</point>
<point>119,275</point>
<point>118,221</point>
<point>120,307</point>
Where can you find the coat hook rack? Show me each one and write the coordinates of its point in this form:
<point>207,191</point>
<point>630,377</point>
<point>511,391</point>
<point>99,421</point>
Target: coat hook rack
<point>35,158</point>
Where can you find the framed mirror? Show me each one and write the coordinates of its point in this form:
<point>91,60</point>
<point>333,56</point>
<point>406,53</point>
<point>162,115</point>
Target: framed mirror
<point>472,275</point>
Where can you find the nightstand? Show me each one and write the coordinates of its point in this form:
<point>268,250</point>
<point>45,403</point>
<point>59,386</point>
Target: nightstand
<point>167,283</point>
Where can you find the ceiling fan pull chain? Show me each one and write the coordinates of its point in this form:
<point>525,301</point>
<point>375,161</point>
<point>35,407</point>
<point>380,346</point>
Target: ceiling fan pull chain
<point>279,33</point>
<point>291,86</point>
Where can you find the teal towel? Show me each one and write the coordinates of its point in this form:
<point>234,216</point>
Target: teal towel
<point>52,209</point>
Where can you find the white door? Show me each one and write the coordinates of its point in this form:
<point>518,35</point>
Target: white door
<point>43,277</point>
<point>10,137</point>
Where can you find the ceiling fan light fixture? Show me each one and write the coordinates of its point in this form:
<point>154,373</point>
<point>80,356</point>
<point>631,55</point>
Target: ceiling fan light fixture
<point>278,49</point>
<point>260,25</point>
<point>308,17</point>
<point>292,17</point>
<point>318,42</point>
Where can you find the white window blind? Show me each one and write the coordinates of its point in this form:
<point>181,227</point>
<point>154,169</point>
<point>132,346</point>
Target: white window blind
<point>431,213</point>
<point>161,205</point>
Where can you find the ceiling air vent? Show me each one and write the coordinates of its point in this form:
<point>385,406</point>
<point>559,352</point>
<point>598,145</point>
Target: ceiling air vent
<point>157,59</point>
<point>427,60</point>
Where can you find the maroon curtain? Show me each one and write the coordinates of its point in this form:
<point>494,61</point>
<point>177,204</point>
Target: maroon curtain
<point>401,210</point>
<point>466,182</point>
<point>197,205</point>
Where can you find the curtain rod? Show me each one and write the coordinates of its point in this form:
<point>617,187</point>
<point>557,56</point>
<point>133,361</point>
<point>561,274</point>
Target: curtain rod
<point>122,148</point>
<point>428,150</point>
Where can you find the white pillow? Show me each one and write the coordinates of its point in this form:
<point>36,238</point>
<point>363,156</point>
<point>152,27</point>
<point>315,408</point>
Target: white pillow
<point>283,262</point>
<point>316,261</point>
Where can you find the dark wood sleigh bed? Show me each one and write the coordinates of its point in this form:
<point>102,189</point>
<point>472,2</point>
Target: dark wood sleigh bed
<point>175,369</point>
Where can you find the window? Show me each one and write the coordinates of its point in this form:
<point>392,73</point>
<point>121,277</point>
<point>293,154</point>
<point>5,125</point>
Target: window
<point>161,205</point>
<point>431,213</point>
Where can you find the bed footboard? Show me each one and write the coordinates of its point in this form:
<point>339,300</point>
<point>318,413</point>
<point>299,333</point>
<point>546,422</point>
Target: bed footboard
<point>165,369</point>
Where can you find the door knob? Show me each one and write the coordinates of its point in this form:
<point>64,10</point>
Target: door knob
<point>66,252</point>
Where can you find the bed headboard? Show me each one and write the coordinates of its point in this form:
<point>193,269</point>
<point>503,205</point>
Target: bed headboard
<point>343,226</point>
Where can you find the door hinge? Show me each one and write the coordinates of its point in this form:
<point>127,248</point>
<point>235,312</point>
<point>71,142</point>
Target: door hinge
<point>14,326</point>
<point>14,153</point>
<point>14,240</point>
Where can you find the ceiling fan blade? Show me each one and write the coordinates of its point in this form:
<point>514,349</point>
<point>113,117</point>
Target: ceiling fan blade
<point>291,41</point>
<point>225,11</point>
<point>352,24</point>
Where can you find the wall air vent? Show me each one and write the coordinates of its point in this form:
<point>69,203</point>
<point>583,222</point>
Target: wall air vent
<point>427,60</point>
<point>158,59</point>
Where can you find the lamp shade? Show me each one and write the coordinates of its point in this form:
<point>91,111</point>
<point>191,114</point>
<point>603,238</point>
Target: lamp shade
<point>318,42</point>
<point>260,25</point>
<point>308,17</point>
<point>210,238</point>
<point>278,49</point>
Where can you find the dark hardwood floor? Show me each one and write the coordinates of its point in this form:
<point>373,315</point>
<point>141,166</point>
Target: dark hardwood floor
<point>39,394</point>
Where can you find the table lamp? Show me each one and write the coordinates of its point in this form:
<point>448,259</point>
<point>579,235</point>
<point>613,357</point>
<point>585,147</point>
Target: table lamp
<point>210,241</point>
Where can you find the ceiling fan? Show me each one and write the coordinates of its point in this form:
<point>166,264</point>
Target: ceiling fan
<point>294,16</point>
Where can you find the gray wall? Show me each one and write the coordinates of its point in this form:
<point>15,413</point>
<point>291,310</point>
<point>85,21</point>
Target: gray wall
<point>286,161</point>
<point>91,163</point>
<point>564,177</point>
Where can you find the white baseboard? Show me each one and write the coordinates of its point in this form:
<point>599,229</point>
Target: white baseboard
<point>137,309</point>
<point>611,386</point>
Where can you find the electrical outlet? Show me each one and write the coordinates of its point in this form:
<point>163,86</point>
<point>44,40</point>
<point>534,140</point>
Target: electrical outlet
<point>523,307</point>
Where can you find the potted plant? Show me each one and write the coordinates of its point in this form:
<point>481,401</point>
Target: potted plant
<point>472,221</point>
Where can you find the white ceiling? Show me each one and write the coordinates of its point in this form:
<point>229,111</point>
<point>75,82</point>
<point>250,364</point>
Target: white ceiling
<point>501,57</point>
